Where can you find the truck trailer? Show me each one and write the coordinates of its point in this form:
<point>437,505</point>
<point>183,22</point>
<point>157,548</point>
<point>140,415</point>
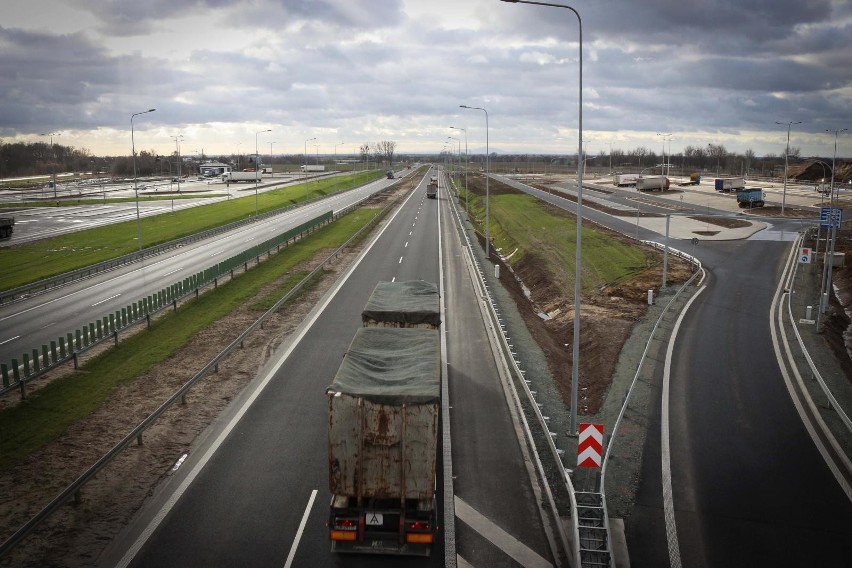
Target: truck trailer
<point>432,188</point>
<point>652,182</point>
<point>383,412</point>
<point>406,304</point>
<point>310,168</point>
<point>622,180</point>
<point>750,197</point>
<point>241,176</point>
<point>729,184</point>
<point>7,225</point>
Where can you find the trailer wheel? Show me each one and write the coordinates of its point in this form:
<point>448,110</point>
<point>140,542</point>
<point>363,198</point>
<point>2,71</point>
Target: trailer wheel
<point>759,204</point>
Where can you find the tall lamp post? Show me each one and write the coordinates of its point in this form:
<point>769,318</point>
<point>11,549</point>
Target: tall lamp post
<point>487,193</point>
<point>53,155</point>
<point>786,157</point>
<point>824,289</point>
<point>335,152</point>
<point>135,184</point>
<point>666,136</point>
<point>305,159</point>
<point>466,166</point>
<point>575,367</point>
<point>457,144</point>
<point>178,138</point>
<point>257,167</point>
<point>270,158</point>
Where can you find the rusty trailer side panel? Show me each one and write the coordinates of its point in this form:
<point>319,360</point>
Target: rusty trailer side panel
<point>382,450</point>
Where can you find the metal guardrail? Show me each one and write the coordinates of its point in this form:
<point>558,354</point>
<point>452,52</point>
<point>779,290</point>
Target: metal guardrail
<point>832,401</point>
<point>74,489</point>
<point>574,552</point>
<point>16,374</point>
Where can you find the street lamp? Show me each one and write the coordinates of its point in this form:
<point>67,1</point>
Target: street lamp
<point>257,167</point>
<point>457,144</point>
<point>827,283</point>
<point>466,166</point>
<point>178,138</point>
<point>487,193</point>
<point>786,156</point>
<point>575,367</point>
<point>305,159</point>
<point>135,184</point>
<point>270,159</point>
<point>53,161</point>
<point>665,136</point>
<point>335,152</point>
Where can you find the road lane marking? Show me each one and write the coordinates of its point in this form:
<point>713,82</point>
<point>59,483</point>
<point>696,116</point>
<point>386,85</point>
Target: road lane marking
<point>178,269</point>
<point>393,279</point>
<point>400,260</point>
<point>406,244</point>
<point>10,339</point>
<point>301,530</point>
<point>516,549</point>
<point>105,300</point>
<point>668,498</point>
<point>409,233</point>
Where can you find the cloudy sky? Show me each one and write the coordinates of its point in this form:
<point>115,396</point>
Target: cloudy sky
<point>355,71</point>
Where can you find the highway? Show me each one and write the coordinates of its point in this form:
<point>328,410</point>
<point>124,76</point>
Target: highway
<point>34,321</point>
<point>748,485</point>
<point>254,491</point>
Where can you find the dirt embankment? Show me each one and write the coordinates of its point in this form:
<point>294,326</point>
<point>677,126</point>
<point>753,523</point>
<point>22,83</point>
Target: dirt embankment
<point>606,315</point>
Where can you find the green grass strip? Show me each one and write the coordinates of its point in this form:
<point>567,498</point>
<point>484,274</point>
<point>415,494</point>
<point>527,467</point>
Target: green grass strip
<point>57,255</point>
<point>522,222</point>
<point>50,411</point>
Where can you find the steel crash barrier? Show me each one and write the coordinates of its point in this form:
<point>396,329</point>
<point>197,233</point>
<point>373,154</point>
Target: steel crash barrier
<point>66,348</point>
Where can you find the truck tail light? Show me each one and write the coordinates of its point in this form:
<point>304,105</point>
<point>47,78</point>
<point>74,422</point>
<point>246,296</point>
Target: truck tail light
<point>418,532</point>
<point>344,529</point>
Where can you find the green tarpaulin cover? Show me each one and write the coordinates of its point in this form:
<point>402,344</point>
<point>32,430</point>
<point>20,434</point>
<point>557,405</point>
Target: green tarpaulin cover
<point>409,302</point>
<point>391,366</point>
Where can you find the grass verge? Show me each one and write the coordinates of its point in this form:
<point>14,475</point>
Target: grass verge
<point>520,221</point>
<point>57,255</point>
<point>50,411</point>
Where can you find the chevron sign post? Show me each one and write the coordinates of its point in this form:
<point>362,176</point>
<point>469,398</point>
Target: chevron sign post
<point>590,445</point>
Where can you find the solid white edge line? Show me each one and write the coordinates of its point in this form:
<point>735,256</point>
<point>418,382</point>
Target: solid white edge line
<point>105,300</point>
<point>173,499</point>
<point>668,499</point>
<point>301,530</point>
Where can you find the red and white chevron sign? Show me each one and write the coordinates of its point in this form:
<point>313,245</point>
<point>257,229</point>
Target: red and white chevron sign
<point>590,445</point>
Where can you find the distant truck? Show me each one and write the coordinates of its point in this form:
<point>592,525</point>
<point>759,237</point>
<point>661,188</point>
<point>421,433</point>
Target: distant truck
<point>383,412</point>
<point>647,183</point>
<point>750,197</point>
<point>432,188</point>
<point>7,224</point>
<point>729,184</point>
<point>312,168</point>
<point>622,180</point>
<point>694,179</point>
<point>241,176</point>
<point>389,173</point>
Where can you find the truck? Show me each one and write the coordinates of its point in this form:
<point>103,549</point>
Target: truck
<point>694,179</point>
<point>750,197</point>
<point>7,224</point>
<point>241,176</point>
<point>383,412</point>
<point>308,168</point>
<point>622,180</point>
<point>729,184</point>
<point>389,174</point>
<point>652,182</point>
<point>432,188</point>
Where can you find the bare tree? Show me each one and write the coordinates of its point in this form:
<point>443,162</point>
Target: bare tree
<point>386,149</point>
